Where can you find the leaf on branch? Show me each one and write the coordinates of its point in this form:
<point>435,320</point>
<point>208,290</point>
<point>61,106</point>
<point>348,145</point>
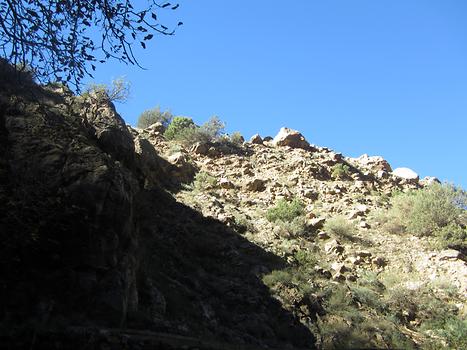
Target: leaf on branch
<point>166,5</point>
<point>164,27</point>
<point>180,23</point>
<point>143,44</point>
<point>175,7</point>
<point>153,15</point>
<point>148,37</point>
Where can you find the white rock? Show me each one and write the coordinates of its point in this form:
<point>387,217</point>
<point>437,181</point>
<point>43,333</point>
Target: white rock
<point>449,254</point>
<point>429,180</point>
<point>405,173</point>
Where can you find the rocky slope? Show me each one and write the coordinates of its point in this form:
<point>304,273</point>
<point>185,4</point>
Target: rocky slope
<point>110,230</point>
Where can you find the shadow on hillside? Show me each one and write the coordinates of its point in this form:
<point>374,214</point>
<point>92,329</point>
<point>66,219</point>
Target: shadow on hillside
<point>210,277</point>
<point>196,276</point>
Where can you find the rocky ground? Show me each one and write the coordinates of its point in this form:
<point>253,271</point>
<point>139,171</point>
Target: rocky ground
<point>239,185</point>
<point>119,238</point>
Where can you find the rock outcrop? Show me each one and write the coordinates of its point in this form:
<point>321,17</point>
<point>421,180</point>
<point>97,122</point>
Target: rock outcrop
<point>291,138</point>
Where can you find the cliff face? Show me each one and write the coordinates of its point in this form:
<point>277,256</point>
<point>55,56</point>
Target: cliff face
<point>91,237</point>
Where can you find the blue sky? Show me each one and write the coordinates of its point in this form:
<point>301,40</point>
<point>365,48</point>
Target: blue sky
<point>385,78</point>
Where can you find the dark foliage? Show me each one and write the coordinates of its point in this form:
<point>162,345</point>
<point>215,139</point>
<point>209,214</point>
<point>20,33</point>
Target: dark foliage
<point>60,40</point>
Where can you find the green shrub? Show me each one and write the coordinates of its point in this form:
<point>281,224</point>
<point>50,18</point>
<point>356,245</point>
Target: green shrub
<point>427,211</point>
<point>292,228</point>
<point>185,131</point>
<point>204,181</point>
<point>154,115</point>
<point>340,171</point>
<point>452,236</point>
<point>243,223</point>
<point>340,227</point>
<point>276,277</point>
<point>213,128</point>
<point>285,211</point>
<point>305,259</point>
<point>452,329</point>
<point>177,126</point>
<point>236,138</point>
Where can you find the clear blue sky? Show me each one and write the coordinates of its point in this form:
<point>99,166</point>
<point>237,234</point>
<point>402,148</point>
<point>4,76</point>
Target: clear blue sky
<point>385,78</point>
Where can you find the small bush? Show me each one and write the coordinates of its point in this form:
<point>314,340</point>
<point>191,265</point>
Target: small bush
<point>285,211</point>
<point>177,126</point>
<point>292,228</point>
<point>243,223</point>
<point>185,131</point>
<point>276,277</point>
<point>340,227</point>
<point>154,115</point>
<point>236,138</point>
<point>305,259</point>
<point>213,128</point>
<point>204,181</point>
<point>340,171</point>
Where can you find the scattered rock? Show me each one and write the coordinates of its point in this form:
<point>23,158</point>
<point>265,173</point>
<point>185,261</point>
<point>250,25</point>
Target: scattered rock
<point>363,254</point>
<point>339,267</point>
<point>355,260</point>
<point>334,247</point>
<point>323,235</point>
<point>255,185</point>
<point>364,224</point>
<point>339,277</point>
<point>379,261</point>
<point>316,223</point>
<point>226,184</point>
<point>323,272</point>
<point>310,194</point>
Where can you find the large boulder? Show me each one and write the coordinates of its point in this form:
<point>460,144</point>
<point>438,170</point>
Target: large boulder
<point>405,173</point>
<point>291,138</point>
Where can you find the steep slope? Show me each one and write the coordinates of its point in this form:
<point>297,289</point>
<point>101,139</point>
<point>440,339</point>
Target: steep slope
<point>352,284</point>
<point>115,237</point>
<point>92,240</point>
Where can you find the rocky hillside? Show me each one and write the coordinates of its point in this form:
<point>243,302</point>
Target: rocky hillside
<point>115,237</point>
